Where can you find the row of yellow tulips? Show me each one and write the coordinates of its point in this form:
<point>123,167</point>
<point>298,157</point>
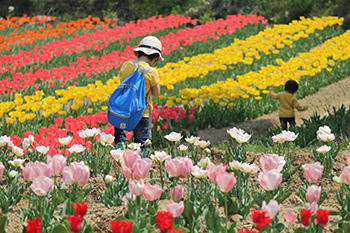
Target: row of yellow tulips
<point>251,83</point>
<point>263,42</point>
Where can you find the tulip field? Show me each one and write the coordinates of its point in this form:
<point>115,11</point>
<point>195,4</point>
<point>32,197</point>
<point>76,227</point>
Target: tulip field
<point>59,168</point>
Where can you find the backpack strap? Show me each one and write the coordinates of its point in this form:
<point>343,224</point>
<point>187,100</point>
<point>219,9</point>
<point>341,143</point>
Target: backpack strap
<point>144,72</point>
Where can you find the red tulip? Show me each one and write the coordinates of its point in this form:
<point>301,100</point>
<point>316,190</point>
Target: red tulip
<point>183,112</point>
<point>75,223</point>
<point>152,192</point>
<point>80,209</point>
<point>191,117</point>
<point>260,218</point>
<point>164,220</point>
<point>305,216</point>
<point>34,225</point>
<point>322,217</point>
<point>121,226</point>
<point>193,110</point>
<point>225,181</point>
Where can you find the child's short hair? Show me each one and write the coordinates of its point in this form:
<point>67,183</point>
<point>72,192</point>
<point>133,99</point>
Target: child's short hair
<point>291,86</point>
<point>151,56</point>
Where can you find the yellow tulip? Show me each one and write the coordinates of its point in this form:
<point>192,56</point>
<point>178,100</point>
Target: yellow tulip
<point>170,103</point>
<point>162,97</point>
<point>22,119</point>
<point>30,116</point>
<point>104,108</point>
<point>10,120</point>
<point>74,107</point>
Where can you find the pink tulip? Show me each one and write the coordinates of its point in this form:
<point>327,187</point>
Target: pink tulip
<point>313,193</point>
<point>2,168</point>
<point>270,180</point>
<point>213,171</point>
<point>32,170</point>
<point>126,171</point>
<point>141,168</point>
<point>176,208</point>
<point>187,166</point>
<point>271,209</point>
<point>41,185</point>
<point>174,166</point>
<point>269,162</point>
<point>152,192</point>
<point>348,159</point>
<point>313,207</point>
<point>313,172</point>
<point>290,217</point>
<point>57,163</point>
<point>346,174</point>
<point>136,187</point>
<point>78,173</point>
<point>130,196</point>
<point>179,192</point>
<point>225,181</point>
<point>130,157</point>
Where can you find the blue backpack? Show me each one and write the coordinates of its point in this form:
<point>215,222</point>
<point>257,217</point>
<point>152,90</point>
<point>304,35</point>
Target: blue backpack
<point>128,102</point>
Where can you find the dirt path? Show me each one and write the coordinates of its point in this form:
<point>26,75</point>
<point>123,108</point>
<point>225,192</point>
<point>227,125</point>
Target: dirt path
<point>328,97</point>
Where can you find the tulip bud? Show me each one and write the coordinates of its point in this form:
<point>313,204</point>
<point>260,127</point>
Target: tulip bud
<point>13,174</point>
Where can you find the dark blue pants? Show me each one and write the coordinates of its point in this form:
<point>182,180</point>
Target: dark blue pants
<point>140,132</point>
<point>285,120</point>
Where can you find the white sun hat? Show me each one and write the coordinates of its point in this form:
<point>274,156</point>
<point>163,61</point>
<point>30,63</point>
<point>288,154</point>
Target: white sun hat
<point>150,45</point>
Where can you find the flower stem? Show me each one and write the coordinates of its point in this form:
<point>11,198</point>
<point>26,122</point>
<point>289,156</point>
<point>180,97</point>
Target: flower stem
<point>226,210</point>
<point>216,190</point>
<point>161,174</point>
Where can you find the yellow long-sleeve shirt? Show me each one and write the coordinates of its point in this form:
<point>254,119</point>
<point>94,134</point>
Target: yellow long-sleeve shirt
<point>288,103</point>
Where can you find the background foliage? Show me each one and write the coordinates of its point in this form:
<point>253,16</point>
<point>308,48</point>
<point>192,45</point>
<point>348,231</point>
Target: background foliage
<point>275,11</point>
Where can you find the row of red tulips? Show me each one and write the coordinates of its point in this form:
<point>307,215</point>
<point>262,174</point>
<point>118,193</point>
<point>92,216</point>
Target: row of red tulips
<point>94,40</point>
<point>95,65</point>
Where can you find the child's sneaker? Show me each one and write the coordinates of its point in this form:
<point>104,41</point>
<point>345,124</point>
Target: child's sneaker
<point>120,145</point>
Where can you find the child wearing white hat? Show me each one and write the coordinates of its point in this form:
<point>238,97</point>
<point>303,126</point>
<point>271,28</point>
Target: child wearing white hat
<point>148,53</point>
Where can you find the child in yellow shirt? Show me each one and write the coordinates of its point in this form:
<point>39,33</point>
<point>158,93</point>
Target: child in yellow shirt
<point>148,53</point>
<point>288,103</point>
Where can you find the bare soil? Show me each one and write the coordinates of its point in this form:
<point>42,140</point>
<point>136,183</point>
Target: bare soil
<point>331,96</point>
